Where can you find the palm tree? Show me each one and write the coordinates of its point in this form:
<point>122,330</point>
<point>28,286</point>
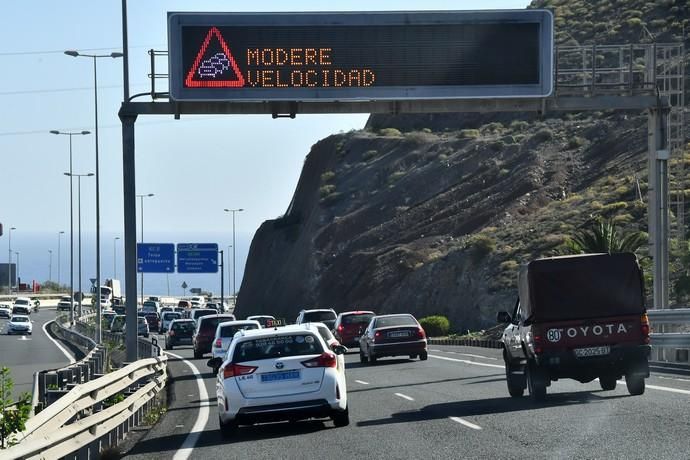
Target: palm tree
<point>604,237</point>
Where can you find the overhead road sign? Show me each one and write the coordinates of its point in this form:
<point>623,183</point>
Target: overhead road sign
<point>155,258</point>
<point>197,258</point>
<point>360,56</point>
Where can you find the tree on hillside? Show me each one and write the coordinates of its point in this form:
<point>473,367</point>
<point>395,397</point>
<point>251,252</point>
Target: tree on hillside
<point>603,236</point>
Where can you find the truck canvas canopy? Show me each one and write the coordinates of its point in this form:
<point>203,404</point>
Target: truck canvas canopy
<point>581,286</point>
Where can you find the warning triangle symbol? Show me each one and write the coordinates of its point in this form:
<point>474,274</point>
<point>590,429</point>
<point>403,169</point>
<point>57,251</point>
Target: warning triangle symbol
<point>214,69</point>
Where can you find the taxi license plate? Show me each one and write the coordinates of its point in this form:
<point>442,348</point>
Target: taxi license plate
<point>280,376</point>
<point>592,351</point>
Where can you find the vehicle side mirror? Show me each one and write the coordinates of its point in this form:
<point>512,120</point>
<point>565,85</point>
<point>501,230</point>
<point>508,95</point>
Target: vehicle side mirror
<point>214,363</point>
<point>339,349</point>
<point>504,317</point>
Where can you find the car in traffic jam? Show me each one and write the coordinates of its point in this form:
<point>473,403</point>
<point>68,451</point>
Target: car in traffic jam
<point>393,335</point>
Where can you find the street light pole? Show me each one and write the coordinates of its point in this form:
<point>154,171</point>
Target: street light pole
<point>98,188</point>
<point>16,253</point>
<point>141,275</point>
<point>60,233</point>
<point>71,217</point>
<point>115,257</point>
<point>9,261</point>
<point>50,266</point>
<point>79,176</point>
<point>234,291</point>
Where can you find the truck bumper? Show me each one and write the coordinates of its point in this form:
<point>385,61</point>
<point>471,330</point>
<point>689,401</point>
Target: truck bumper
<point>622,359</point>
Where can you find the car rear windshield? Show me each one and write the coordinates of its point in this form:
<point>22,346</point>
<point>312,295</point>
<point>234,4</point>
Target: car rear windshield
<point>363,318</point>
<point>230,331</point>
<point>186,326</point>
<point>276,347</point>
<point>167,316</point>
<point>316,316</point>
<point>205,312</point>
<point>21,302</point>
<point>209,325</point>
<point>20,319</point>
<point>388,321</point>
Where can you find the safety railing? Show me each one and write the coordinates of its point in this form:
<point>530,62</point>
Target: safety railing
<point>670,334</point>
<point>92,415</point>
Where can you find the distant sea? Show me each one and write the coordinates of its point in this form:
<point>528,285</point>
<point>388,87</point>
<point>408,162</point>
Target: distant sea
<point>34,260</point>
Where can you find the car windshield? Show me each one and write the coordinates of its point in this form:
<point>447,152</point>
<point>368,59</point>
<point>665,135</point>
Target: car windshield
<point>362,318</point>
<point>230,331</point>
<point>209,325</point>
<point>20,319</point>
<point>21,302</point>
<point>276,347</point>
<point>316,316</point>
<point>402,320</point>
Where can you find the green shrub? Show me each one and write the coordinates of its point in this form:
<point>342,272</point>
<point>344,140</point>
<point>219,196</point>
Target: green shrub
<point>326,190</point>
<point>575,142</point>
<point>426,130</point>
<point>327,177</point>
<point>330,199</point>
<point>519,125</point>
<point>390,132</point>
<point>634,22</point>
<point>482,246</point>
<point>369,154</point>
<point>435,326</point>
<point>395,176</point>
<point>469,133</point>
<point>543,135</point>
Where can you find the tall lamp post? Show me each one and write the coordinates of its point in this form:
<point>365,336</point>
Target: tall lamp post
<point>234,291</point>
<point>50,266</point>
<point>79,176</point>
<point>141,275</point>
<point>113,55</point>
<point>115,257</point>
<point>9,260</point>
<point>60,233</point>
<point>71,215</point>
<point>16,253</point>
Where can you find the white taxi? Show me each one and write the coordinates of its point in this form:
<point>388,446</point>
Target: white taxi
<point>285,373</point>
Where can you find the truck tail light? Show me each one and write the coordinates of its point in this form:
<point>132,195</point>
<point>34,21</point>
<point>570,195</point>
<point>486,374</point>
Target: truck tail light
<point>644,325</point>
<point>538,349</point>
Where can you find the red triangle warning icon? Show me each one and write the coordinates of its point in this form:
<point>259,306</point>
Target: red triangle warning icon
<point>216,71</point>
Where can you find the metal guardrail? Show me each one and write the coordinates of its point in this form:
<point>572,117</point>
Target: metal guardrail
<point>675,316</point>
<point>85,421</point>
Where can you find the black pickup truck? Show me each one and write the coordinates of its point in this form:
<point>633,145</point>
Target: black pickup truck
<point>580,317</point>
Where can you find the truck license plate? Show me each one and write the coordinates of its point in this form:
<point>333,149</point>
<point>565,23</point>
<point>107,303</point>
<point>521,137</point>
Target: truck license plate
<point>592,351</point>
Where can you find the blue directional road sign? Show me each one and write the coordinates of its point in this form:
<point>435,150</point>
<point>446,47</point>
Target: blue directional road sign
<point>155,258</point>
<point>197,258</point>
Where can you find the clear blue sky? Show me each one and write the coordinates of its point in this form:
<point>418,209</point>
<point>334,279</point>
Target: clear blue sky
<point>195,166</point>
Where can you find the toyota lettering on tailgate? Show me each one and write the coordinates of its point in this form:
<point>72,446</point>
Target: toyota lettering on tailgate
<point>556,334</point>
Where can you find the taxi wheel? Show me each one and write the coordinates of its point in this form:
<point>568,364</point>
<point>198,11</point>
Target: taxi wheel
<point>363,358</point>
<point>198,355</point>
<point>227,430</point>
<point>341,418</point>
<point>423,356</point>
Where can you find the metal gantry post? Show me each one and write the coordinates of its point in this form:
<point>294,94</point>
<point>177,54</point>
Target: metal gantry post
<point>130,216</point>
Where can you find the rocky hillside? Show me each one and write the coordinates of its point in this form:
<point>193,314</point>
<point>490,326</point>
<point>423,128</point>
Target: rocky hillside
<point>432,214</point>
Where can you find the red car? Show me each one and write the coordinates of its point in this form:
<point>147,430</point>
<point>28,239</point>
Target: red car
<point>350,325</point>
<point>152,319</point>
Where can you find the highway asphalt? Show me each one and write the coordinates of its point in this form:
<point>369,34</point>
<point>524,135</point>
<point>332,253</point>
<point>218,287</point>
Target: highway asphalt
<point>454,405</point>
<point>25,355</point>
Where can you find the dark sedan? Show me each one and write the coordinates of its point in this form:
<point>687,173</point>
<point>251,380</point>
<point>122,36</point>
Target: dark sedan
<point>392,335</point>
<point>180,332</point>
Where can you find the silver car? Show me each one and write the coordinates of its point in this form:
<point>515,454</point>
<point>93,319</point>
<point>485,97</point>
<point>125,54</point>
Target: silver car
<point>223,338</point>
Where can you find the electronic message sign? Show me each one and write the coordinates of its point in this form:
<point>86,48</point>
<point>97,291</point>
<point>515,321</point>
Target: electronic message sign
<point>360,56</point>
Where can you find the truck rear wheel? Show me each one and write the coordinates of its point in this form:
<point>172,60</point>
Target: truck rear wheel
<point>635,384</point>
<point>607,382</point>
<point>536,383</point>
<point>516,382</point>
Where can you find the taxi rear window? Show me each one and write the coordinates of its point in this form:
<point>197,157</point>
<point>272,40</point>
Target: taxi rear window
<point>277,347</point>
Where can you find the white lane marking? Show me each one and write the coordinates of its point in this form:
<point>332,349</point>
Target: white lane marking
<point>466,354</point>
<point>672,378</point>
<point>467,362</point>
<point>193,437</point>
<point>466,423</point>
<point>403,396</point>
<point>362,382</point>
<point>67,354</point>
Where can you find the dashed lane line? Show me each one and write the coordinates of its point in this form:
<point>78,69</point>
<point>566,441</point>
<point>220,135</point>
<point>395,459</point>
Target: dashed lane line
<point>192,438</point>
<point>361,382</point>
<point>466,354</point>
<point>465,423</point>
<point>465,361</point>
<point>404,396</point>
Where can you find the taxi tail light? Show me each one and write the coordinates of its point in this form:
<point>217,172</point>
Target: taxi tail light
<point>218,344</point>
<point>234,370</point>
<point>323,360</point>
<point>420,333</point>
<point>377,336</point>
<point>644,325</point>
